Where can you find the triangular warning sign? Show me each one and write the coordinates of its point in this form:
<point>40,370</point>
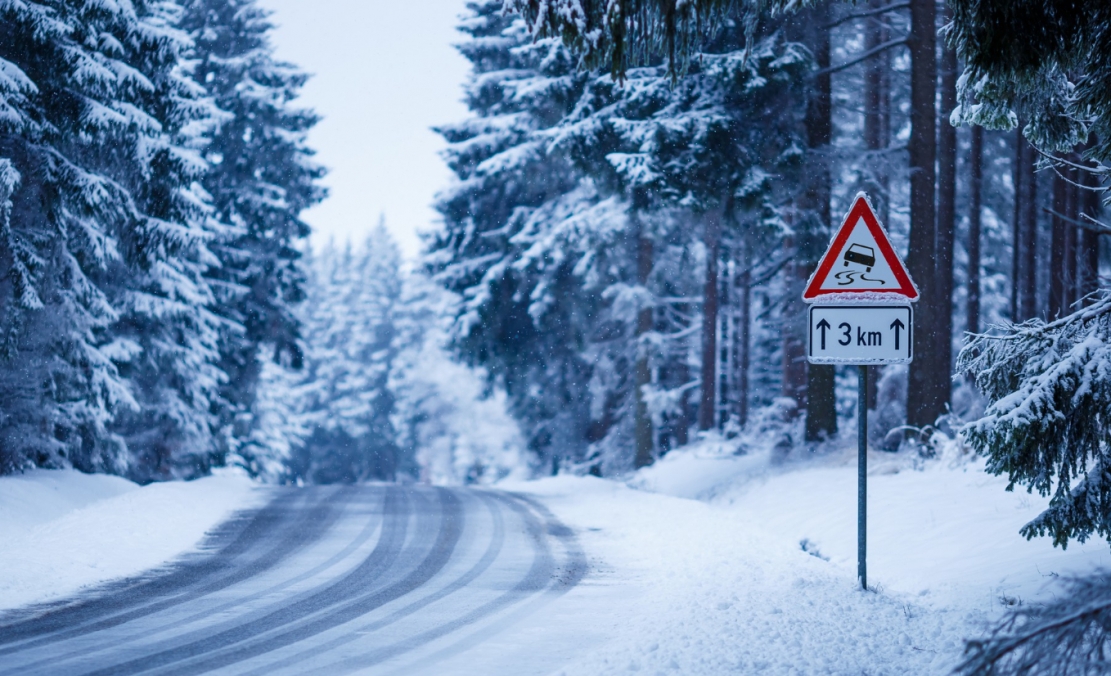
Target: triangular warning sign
<point>860,263</point>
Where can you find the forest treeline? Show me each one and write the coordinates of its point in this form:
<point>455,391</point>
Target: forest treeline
<point>704,149</point>
<point>160,315</point>
<point>153,167</point>
<point>621,254</point>
<point>633,222</point>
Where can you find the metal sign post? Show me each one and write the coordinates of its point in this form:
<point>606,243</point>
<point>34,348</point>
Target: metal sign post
<point>860,314</point>
<point>862,476</point>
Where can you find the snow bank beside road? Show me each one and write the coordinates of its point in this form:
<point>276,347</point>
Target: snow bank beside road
<point>63,530</point>
<point>718,595</point>
<point>723,585</point>
<point>947,530</point>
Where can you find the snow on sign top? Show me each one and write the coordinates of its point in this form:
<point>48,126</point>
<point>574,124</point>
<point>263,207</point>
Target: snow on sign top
<point>860,264</point>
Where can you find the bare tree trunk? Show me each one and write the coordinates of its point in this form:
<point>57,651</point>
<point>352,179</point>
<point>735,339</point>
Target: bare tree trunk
<point>1058,266</point>
<point>1088,268</point>
<point>876,134</point>
<point>925,402</point>
<point>712,240</point>
<point>975,204</point>
<point>744,339</point>
<point>821,403</point>
<point>946,221</point>
<point>642,421</point>
<point>885,66</point>
<point>1018,176</point>
<point>794,349</point>
<point>1028,291</point>
<point>875,100</point>
<point>1073,216</point>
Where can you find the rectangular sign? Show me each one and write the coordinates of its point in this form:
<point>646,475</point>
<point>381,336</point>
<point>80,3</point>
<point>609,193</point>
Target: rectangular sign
<point>860,334</point>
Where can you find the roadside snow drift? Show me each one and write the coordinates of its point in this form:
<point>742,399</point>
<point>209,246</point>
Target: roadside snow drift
<point>63,530</point>
<point>758,574</point>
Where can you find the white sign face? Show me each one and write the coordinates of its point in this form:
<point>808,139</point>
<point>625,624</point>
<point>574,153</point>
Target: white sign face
<point>860,334</point>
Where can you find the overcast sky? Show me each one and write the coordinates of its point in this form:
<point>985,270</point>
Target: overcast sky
<point>384,72</point>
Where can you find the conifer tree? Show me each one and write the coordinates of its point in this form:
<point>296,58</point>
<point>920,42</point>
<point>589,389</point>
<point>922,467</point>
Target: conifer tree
<point>104,237</point>
<point>1044,61</point>
<point>524,321</point>
<point>260,178</point>
<point>451,428</point>
<point>350,319</point>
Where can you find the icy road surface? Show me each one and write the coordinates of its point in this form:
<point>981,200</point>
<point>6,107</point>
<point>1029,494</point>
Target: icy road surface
<point>377,579</point>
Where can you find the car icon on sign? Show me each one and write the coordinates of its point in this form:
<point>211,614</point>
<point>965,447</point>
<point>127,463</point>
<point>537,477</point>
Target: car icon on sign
<point>861,255</point>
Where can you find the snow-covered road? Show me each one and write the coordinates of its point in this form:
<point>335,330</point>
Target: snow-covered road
<point>391,579</point>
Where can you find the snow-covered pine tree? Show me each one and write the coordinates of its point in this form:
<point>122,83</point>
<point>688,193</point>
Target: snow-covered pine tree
<point>696,158</point>
<point>261,177</point>
<point>279,424</point>
<point>165,300</point>
<point>1047,385</point>
<point>350,327</point>
<point>525,323</point>
<point>1046,427</point>
<point>1043,61</point>
<point>578,199</point>
<point>102,233</point>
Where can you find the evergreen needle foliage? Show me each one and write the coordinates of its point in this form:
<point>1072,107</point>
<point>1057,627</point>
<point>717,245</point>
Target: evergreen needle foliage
<point>152,173</point>
<point>624,34</point>
<point>1049,61</point>
<point>1047,424</point>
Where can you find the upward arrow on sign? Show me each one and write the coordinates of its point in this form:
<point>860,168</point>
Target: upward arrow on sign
<point>860,263</point>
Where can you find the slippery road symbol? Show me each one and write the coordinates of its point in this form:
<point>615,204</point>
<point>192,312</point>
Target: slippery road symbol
<point>858,254</point>
<point>846,277</point>
<point>861,255</point>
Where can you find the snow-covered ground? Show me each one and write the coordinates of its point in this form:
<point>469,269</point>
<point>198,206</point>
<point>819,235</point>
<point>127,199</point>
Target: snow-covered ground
<point>714,548</point>
<point>63,530</point>
<point>697,564</point>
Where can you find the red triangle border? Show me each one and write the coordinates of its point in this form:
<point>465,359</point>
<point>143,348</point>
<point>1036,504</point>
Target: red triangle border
<point>861,208</point>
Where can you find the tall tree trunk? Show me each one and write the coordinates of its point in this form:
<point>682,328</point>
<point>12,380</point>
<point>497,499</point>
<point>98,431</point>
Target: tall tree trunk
<point>1087,278</point>
<point>744,340</point>
<point>885,106</point>
<point>1073,216</point>
<point>794,348</point>
<point>1018,176</point>
<point>682,424</point>
<point>712,241</point>
<point>1028,291</point>
<point>946,220</point>
<point>975,204</point>
<point>642,421</point>
<point>821,402</point>
<point>875,102</point>
<point>1058,265</point>
<point>876,135</point>
<point>925,402</point>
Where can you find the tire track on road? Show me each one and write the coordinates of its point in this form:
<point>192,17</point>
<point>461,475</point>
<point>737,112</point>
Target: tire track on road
<point>493,549</point>
<point>536,581</point>
<point>247,530</point>
<point>395,523</point>
<point>451,526</point>
<point>306,531</point>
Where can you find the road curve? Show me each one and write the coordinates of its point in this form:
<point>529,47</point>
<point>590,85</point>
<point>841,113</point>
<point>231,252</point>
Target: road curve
<point>369,579</point>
